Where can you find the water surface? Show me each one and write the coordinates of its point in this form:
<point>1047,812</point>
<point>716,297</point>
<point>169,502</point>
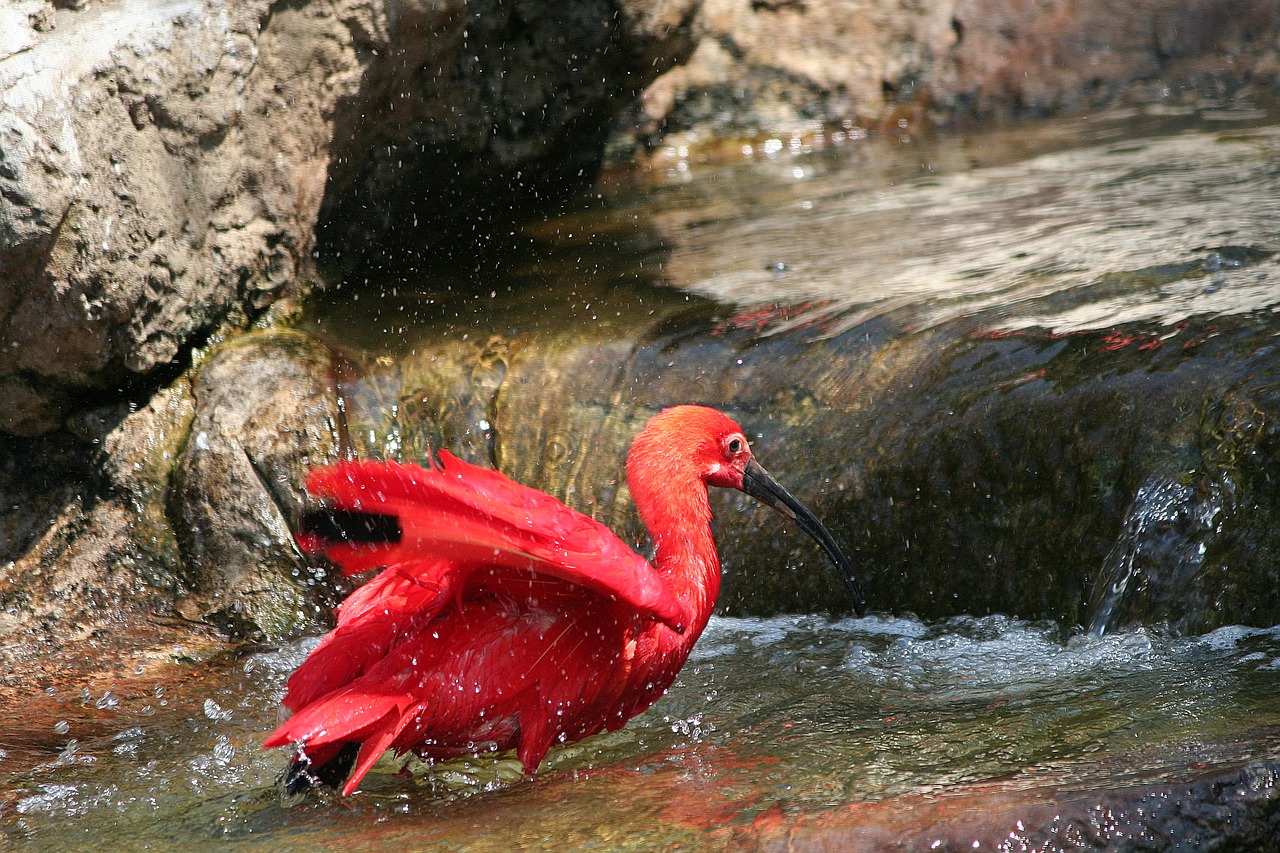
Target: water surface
<point>792,712</point>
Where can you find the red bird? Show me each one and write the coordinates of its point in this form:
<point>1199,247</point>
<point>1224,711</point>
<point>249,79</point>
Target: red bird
<point>504,619</point>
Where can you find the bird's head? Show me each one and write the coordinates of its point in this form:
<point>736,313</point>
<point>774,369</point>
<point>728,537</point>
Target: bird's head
<point>685,445</point>
<point>690,443</point>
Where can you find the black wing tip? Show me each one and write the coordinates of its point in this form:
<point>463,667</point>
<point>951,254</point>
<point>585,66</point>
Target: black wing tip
<point>351,526</point>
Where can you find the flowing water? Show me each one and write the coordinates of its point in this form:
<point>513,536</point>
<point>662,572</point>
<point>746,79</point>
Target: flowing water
<point>791,712</point>
<point>1068,226</point>
<point>1165,529</point>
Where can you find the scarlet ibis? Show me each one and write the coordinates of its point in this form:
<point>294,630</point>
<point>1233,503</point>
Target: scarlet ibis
<point>503,619</point>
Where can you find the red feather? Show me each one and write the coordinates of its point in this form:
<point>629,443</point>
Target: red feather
<point>472,517</point>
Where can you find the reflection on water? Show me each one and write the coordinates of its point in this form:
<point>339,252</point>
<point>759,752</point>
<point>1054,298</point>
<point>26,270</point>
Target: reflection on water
<point>1146,230</point>
<point>793,710</point>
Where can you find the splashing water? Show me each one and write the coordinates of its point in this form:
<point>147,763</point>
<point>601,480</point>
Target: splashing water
<point>1160,549</point>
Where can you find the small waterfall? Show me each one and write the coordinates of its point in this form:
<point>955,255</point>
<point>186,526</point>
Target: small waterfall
<point>1158,555</point>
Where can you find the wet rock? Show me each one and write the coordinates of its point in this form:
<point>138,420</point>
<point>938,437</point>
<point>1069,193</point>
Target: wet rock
<point>997,471</point>
<point>265,410</point>
<point>795,67</point>
<point>1035,466</point>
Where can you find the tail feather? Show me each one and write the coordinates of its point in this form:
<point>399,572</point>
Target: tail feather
<point>377,743</point>
<point>331,735</point>
<point>306,773</point>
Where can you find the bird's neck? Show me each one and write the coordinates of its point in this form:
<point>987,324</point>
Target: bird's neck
<point>685,551</point>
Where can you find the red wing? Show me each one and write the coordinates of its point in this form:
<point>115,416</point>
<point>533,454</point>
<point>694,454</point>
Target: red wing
<point>464,517</point>
<point>482,674</point>
<point>373,620</point>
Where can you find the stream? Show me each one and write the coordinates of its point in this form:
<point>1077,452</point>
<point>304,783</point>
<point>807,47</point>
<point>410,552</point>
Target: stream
<point>791,713</point>
<point>938,722</point>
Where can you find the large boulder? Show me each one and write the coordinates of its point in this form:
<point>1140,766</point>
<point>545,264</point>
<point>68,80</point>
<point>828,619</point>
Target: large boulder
<point>162,167</point>
<point>160,173</point>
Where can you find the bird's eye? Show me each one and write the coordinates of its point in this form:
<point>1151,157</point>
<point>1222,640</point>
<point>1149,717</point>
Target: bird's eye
<point>734,446</point>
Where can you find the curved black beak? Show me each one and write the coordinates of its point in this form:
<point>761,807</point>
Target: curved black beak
<point>760,484</point>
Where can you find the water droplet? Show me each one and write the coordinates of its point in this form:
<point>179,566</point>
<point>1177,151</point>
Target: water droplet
<point>214,711</point>
<point>223,751</point>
